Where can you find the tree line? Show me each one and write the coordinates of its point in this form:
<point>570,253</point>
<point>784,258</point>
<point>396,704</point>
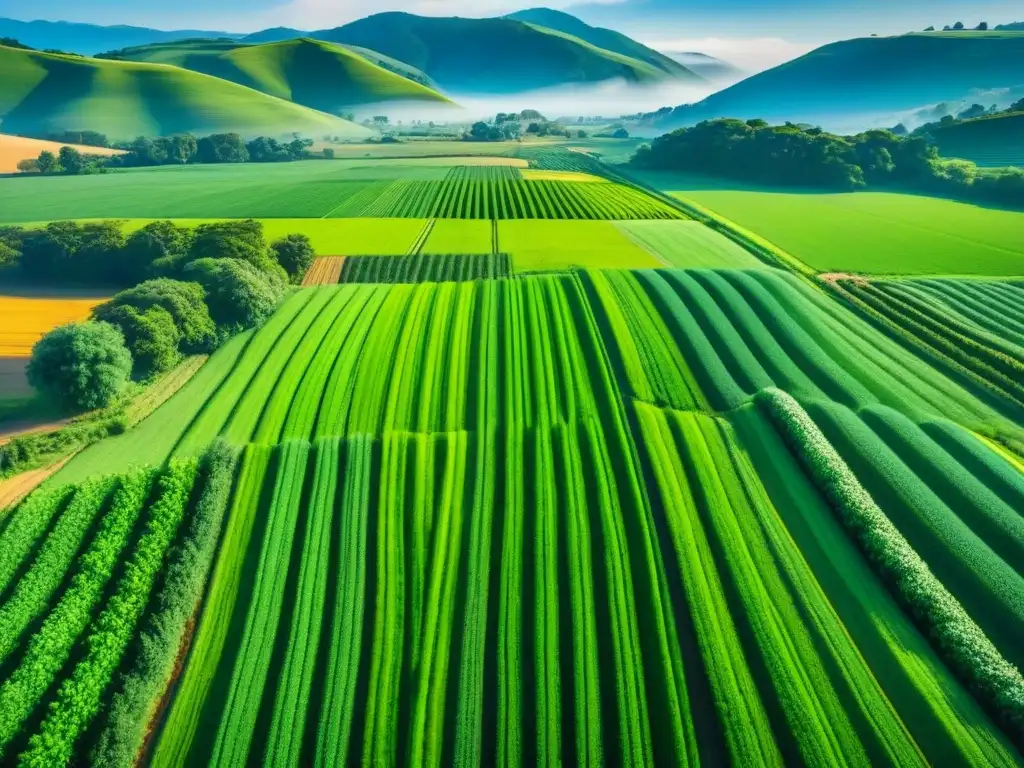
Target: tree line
<point>195,288</point>
<point>792,155</point>
<point>181,149</point>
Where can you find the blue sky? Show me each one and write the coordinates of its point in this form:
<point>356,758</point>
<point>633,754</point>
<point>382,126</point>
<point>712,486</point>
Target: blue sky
<point>762,31</point>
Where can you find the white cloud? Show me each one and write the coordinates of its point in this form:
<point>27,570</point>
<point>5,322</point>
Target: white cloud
<point>752,54</point>
<point>326,14</point>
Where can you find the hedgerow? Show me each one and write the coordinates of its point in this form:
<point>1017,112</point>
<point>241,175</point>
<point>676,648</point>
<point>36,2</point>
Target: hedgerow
<point>189,562</point>
<point>959,640</point>
<point>25,526</point>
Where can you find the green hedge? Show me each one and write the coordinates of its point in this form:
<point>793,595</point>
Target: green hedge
<point>970,654</point>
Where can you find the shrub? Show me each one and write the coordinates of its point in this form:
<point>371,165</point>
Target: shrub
<point>958,638</point>
<point>8,256</point>
<point>238,294</point>
<point>81,366</point>
<point>65,250</point>
<point>185,302</point>
<point>151,337</point>
<point>295,254</point>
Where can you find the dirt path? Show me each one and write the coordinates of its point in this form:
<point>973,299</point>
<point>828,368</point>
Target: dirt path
<point>16,488</point>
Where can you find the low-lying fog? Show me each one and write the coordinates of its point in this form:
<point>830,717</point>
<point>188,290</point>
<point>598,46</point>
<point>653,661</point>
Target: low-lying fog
<point>611,99</point>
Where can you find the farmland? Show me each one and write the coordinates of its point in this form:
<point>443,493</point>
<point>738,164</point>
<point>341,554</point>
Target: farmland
<point>867,232</point>
<point>502,489</point>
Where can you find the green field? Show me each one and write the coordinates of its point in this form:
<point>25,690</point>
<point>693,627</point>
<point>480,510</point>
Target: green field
<point>46,93</point>
<point>617,516</point>
<point>536,245</point>
<point>449,236</point>
<point>521,491</point>
<point>867,232</point>
<point>329,189</point>
<point>688,245</point>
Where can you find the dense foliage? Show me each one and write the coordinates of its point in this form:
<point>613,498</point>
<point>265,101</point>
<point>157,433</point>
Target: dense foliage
<point>185,302</point>
<point>150,335</point>
<point>793,155</point>
<point>295,254</point>
<point>81,366</point>
<point>66,251</point>
<point>238,294</point>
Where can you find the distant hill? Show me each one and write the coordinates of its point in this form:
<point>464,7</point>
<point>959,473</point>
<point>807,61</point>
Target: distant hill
<point>994,140</point>
<point>43,94</point>
<point>608,39</point>
<point>273,35</point>
<point>843,82</point>
<point>89,39</point>
<point>1017,26</point>
<point>708,67</point>
<point>489,55</point>
<point>314,73</point>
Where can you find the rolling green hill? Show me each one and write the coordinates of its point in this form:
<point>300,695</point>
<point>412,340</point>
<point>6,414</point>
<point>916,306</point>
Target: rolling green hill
<point>840,84</point>
<point>489,55</point>
<point>313,73</point>
<point>994,140</point>
<point>46,93</point>
<point>607,39</point>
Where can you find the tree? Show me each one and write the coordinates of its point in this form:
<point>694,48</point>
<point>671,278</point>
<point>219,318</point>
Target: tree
<point>328,153</point>
<point>28,165</point>
<point>47,162</point>
<point>183,148</point>
<point>380,120</point>
<point>581,134</point>
<point>158,247</point>
<point>530,114</point>
<point>238,294</point>
<point>185,302</point>
<point>930,29</point>
<point>8,256</point>
<point>233,240</point>
<point>983,27</point>
<point>295,254</point>
<point>150,335</point>
<point>620,133</point>
<point>975,110</point>
<point>958,26</point>
<point>222,148</point>
<point>81,366</point>
<point>47,252</point>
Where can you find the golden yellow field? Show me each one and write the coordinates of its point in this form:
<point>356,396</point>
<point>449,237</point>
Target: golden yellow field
<point>14,149</point>
<point>25,319</point>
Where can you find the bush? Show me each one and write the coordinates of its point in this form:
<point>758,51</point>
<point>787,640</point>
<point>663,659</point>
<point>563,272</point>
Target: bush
<point>81,366</point>
<point>960,641</point>
<point>150,335</point>
<point>185,302</point>
<point>238,294</point>
<point>295,254</point>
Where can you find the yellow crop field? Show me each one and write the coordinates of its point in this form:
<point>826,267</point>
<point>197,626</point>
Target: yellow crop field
<point>26,319</point>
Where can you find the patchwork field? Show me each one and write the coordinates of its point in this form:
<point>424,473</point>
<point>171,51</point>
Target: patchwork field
<point>520,491</point>
<point>321,189</point>
<point>868,232</point>
<point>416,514</point>
<point>539,245</point>
<point>688,245</point>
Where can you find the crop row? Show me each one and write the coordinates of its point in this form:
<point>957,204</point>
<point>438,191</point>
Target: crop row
<point>484,173</point>
<point>504,195</point>
<point>423,268</point>
<point>960,334</point>
<point>542,658</point>
<point>76,612</point>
